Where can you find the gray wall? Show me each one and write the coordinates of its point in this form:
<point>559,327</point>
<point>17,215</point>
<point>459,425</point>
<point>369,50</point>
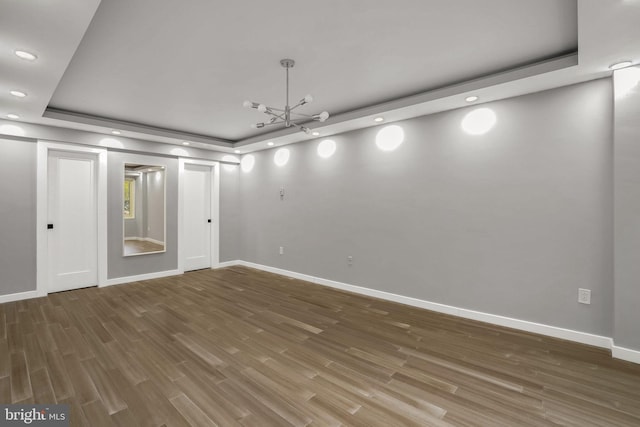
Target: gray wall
<point>120,266</point>
<point>230,217</point>
<point>155,206</point>
<point>510,223</point>
<point>149,204</point>
<point>17,216</point>
<point>627,219</point>
<point>133,226</point>
<point>18,158</point>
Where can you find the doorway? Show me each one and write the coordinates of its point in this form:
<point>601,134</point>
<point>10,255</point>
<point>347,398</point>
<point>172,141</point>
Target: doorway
<point>199,191</point>
<point>71,217</point>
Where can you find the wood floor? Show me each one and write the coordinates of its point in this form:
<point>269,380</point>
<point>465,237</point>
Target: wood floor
<point>238,346</point>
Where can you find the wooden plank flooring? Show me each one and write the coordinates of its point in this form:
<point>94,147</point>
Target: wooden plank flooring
<point>241,347</point>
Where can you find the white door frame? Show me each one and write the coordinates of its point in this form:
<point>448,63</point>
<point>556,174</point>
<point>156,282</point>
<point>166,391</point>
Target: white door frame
<point>215,210</point>
<point>42,237</point>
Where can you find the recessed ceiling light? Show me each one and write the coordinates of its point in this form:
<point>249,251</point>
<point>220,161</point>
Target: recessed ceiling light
<point>619,65</point>
<point>471,98</point>
<point>185,143</point>
<point>116,132</point>
<point>22,54</point>
<point>236,151</point>
<point>315,133</point>
<point>18,93</point>
<point>13,116</point>
<point>378,119</point>
<point>270,143</point>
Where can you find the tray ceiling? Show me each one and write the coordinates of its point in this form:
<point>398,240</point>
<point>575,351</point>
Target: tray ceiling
<point>187,66</point>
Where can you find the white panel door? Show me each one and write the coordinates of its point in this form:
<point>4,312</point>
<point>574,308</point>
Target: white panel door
<point>197,217</point>
<point>72,233</point>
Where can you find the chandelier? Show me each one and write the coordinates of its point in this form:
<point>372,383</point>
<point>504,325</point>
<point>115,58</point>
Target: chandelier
<point>286,115</point>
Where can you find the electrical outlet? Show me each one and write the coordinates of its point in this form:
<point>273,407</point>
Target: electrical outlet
<point>584,296</point>
<point>281,250</point>
<point>349,260</point>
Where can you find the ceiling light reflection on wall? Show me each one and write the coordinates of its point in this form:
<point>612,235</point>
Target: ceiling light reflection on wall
<point>111,142</point>
<point>378,119</point>
<point>389,137</point>
<point>620,65</point>
<point>180,152</point>
<point>13,116</point>
<point>471,98</point>
<point>236,151</point>
<point>281,157</point>
<point>116,132</point>
<point>270,143</point>
<point>247,163</point>
<point>11,130</point>
<point>23,54</point>
<point>326,148</point>
<point>315,133</point>
<point>18,93</point>
<point>625,80</point>
<point>186,143</point>
<point>479,121</point>
<point>229,158</point>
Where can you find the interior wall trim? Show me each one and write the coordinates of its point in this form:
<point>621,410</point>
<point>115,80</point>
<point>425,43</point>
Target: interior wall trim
<point>523,325</point>
<point>19,296</point>
<point>225,264</point>
<point>157,242</point>
<point>625,354</point>
<point>139,277</point>
<point>89,119</point>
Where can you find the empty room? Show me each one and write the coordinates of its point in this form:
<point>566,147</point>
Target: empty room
<point>338,213</point>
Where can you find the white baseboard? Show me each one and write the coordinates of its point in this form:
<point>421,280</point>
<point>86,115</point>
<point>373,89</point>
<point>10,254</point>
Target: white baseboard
<point>150,240</point>
<point>625,354</point>
<point>228,264</point>
<point>19,296</point>
<point>148,276</point>
<point>523,325</point>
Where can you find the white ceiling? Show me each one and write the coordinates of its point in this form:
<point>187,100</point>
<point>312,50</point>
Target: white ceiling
<point>171,71</point>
